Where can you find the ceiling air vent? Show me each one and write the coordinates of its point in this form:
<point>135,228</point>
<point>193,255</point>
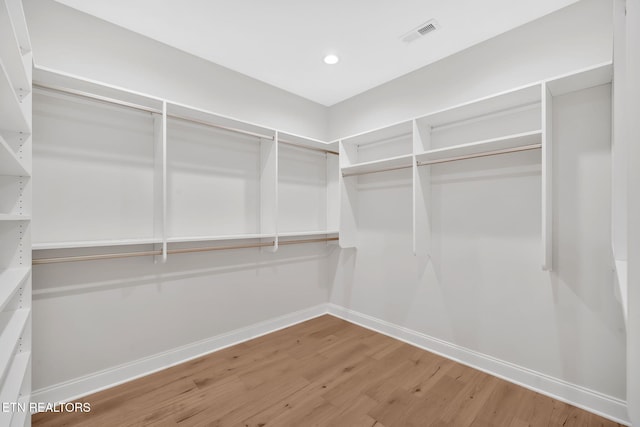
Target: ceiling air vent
<point>420,31</point>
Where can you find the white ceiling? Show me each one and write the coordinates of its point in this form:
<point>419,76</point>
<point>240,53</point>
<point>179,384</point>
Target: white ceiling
<point>283,42</point>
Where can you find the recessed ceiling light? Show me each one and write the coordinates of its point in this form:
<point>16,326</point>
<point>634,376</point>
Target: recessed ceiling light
<point>331,59</point>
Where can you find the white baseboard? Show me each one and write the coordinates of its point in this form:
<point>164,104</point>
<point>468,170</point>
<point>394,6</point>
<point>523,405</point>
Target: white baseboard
<point>592,401</point>
<point>83,386</point>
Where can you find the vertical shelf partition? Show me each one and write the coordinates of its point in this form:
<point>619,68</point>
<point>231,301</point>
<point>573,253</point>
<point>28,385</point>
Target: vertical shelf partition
<point>15,211</point>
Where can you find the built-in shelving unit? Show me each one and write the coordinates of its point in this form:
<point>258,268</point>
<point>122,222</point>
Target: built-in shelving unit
<point>295,186</point>
<point>170,175</point>
<point>507,122</point>
<point>15,211</point>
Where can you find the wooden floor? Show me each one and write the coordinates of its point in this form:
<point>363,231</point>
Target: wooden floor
<point>323,372</point>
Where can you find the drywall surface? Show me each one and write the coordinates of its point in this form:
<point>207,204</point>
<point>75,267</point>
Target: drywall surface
<point>574,37</point>
<point>482,287</point>
<point>99,315</point>
<point>76,43</point>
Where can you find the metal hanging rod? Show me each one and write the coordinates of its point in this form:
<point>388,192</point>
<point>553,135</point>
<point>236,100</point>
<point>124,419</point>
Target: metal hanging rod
<point>94,257</point>
<point>95,97</point>
<point>296,242</point>
<point>393,168</point>
<point>386,140</point>
<point>295,144</point>
<point>173,251</point>
<point>485,154</point>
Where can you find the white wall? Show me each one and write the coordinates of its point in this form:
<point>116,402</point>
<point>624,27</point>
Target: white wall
<point>71,41</point>
<point>99,315</point>
<point>574,37</point>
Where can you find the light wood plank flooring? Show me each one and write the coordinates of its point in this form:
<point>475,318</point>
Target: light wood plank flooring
<point>323,372</point>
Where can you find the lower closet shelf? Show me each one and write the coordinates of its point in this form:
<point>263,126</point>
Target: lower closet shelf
<point>12,385</point>
<point>12,323</point>
<point>183,250</point>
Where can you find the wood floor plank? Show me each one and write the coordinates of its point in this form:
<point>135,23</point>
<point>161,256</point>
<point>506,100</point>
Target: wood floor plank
<point>324,372</point>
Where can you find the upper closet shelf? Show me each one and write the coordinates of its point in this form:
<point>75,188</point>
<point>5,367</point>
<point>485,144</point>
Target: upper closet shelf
<point>10,164</point>
<point>59,84</point>
<point>12,115</point>
<point>584,79</point>
<point>494,104</point>
<point>200,117</point>
<point>505,144</point>
<point>392,163</point>
<point>307,143</point>
<point>15,63</point>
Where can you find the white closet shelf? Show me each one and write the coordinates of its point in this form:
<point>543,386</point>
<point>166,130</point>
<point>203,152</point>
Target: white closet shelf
<point>11,280</point>
<point>12,115</point>
<point>391,163</point>
<point>10,164</point>
<point>476,148</point>
<point>19,419</point>
<point>14,62</point>
<point>307,233</point>
<point>504,101</point>
<point>13,382</point>
<point>94,243</point>
<point>12,217</point>
<point>307,143</point>
<point>16,12</point>
<point>219,238</point>
<point>583,79</point>
<point>12,323</point>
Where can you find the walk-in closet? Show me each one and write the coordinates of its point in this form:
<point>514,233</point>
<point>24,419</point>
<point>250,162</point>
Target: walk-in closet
<point>410,213</point>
